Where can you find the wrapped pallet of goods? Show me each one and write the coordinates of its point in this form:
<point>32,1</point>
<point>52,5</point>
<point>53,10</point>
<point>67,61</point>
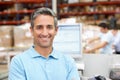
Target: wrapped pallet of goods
<point>6,42</point>
<point>6,37</point>
<point>22,36</point>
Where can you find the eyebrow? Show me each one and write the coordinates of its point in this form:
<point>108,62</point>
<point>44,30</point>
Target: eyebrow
<point>45,25</point>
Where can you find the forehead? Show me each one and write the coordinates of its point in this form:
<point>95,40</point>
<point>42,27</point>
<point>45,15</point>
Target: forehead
<point>44,19</point>
<point>102,28</point>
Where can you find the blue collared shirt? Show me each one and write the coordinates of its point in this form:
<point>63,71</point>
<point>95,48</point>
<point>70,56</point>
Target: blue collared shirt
<point>30,65</point>
<point>109,38</point>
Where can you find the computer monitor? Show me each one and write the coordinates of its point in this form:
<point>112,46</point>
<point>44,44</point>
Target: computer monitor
<point>68,40</point>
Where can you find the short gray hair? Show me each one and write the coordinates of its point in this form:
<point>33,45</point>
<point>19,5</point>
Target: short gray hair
<point>43,11</point>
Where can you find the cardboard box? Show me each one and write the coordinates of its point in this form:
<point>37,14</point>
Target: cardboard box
<point>22,36</point>
<point>6,36</point>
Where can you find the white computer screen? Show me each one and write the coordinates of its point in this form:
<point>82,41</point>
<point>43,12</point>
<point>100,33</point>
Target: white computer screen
<point>68,39</point>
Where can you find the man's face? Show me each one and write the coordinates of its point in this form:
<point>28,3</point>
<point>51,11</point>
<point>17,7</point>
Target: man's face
<point>44,31</point>
<point>103,30</point>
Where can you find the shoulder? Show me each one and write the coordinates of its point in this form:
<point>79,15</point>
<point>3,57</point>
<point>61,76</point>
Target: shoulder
<point>108,36</point>
<point>109,33</point>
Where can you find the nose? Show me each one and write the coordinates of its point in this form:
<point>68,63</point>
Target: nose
<point>45,32</point>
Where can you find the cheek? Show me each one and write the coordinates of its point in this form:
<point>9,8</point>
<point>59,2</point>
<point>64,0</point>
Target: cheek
<point>34,34</point>
<point>54,33</point>
<point>101,30</point>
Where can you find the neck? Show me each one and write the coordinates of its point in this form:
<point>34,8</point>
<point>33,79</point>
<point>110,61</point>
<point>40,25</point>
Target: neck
<point>106,31</point>
<point>43,51</point>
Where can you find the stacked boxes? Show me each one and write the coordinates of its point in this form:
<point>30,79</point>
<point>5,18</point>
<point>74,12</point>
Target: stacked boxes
<point>15,36</point>
<point>22,36</point>
<point>6,37</point>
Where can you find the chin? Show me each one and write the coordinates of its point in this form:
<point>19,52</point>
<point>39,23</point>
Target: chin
<point>45,46</point>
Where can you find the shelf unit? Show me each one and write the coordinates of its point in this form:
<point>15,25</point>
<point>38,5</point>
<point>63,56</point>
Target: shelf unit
<point>89,4</point>
<point>93,9</point>
<point>89,13</point>
<point>82,4</point>
<point>17,13</point>
<point>21,1</point>
<point>6,15</point>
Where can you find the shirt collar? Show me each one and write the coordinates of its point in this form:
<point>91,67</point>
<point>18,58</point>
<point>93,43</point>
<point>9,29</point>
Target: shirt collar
<point>35,54</point>
<point>54,54</point>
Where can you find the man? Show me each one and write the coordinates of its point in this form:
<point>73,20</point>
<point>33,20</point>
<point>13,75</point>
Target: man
<point>103,30</point>
<point>41,61</point>
<point>106,40</point>
<point>116,43</point>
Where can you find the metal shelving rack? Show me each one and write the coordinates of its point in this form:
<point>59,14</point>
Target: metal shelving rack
<point>17,13</point>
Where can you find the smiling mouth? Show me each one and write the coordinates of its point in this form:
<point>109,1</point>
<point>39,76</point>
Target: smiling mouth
<point>45,39</point>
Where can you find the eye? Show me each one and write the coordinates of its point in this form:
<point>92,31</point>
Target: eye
<point>50,27</point>
<point>39,27</point>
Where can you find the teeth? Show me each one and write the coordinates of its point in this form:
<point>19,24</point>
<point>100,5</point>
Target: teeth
<point>44,38</point>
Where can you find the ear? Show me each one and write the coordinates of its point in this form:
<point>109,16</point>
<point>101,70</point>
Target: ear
<point>56,29</point>
<point>31,30</point>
